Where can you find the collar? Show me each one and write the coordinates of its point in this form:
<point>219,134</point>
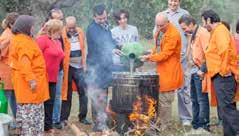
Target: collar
<point>170,11</point>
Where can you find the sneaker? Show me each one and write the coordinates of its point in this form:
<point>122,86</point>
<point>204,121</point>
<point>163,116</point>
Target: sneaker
<point>186,123</point>
<point>63,123</point>
<point>203,131</point>
<point>85,121</point>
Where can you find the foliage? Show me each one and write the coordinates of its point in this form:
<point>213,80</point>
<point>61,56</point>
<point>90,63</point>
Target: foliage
<point>142,12</point>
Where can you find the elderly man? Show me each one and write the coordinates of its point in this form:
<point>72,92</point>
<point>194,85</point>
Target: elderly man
<point>199,38</point>
<point>221,58</point>
<point>168,65</point>
<point>99,64</point>
<point>174,12</point>
<point>74,67</point>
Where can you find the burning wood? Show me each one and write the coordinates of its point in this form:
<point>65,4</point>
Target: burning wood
<point>140,117</point>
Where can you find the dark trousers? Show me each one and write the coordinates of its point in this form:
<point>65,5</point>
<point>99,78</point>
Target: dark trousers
<point>48,107</point>
<point>200,104</point>
<point>225,88</point>
<point>76,75</point>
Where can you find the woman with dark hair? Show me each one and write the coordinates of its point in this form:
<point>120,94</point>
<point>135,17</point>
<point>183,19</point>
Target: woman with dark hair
<point>123,33</point>
<point>5,70</point>
<point>29,78</point>
<point>237,37</point>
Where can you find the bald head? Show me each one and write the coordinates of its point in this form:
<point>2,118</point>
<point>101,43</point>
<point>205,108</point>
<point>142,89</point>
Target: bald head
<point>71,20</point>
<point>161,22</point>
<point>71,24</point>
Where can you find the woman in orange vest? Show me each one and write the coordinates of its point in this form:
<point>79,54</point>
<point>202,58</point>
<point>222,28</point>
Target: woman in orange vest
<point>5,70</point>
<point>29,78</point>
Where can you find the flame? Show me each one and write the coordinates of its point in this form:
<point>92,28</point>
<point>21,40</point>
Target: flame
<point>142,118</point>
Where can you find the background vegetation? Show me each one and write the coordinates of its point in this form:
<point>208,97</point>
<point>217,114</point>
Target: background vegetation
<point>142,12</point>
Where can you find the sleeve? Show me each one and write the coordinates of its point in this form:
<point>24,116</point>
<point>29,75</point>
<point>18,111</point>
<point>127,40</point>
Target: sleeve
<point>4,42</point>
<point>136,34</point>
<point>90,48</point>
<point>204,40</point>
<point>24,62</point>
<point>169,49</point>
<point>222,42</point>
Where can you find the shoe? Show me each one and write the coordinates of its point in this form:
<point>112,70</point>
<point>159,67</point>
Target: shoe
<point>203,131</point>
<point>85,121</point>
<point>96,129</point>
<point>57,125</point>
<point>186,123</point>
<point>63,123</point>
<point>13,125</point>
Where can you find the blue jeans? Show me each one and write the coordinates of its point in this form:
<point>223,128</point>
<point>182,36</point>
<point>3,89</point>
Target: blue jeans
<point>12,101</point>
<point>200,104</point>
<point>57,103</point>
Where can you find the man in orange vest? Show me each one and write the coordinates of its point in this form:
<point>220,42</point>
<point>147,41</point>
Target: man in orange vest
<point>74,68</point>
<point>198,41</point>
<point>220,58</point>
<point>169,67</point>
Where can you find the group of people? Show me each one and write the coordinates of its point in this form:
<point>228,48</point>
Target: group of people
<point>193,60</point>
<point>210,53</point>
<point>41,71</point>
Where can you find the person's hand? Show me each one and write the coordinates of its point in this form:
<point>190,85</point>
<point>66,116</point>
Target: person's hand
<point>118,52</point>
<point>32,84</point>
<point>144,58</point>
<point>84,68</point>
<point>200,74</point>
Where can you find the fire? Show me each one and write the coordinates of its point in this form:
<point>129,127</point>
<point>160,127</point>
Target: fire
<point>140,116</point>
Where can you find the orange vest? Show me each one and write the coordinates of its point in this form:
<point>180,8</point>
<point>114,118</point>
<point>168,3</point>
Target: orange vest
<point>169,67</point>
<point>5,70</point>
<point>67,51</point>
<point>27,63</point>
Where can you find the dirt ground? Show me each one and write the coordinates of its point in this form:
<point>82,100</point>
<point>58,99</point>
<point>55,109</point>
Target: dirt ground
<point>176,129</point>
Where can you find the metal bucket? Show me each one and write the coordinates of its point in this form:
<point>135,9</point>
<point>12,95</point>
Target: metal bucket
<point>127,87</point>
<point>5,120</point>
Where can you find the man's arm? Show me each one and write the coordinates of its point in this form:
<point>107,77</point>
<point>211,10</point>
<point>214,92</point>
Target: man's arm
<point>170,46</point>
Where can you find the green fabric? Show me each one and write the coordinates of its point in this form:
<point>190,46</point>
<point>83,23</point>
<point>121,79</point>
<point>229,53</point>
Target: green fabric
<point>132,48</point>
<point>3,99</point>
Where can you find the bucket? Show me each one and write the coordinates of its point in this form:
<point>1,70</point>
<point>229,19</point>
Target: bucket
<point>3,99</point>
<point>5,120</point>
<point>127,87</point>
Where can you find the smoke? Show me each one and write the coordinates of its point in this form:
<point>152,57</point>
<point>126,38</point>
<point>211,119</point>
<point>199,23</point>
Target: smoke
<point>99,73</point>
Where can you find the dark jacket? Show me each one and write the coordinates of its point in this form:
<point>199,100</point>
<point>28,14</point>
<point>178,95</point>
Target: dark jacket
<point>99,58</point>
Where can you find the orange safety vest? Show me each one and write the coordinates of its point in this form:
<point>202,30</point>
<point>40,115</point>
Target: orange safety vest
<point>169,67</point>
<point>27,63</point>
<point>67,51</point>
<point>5,70</point>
